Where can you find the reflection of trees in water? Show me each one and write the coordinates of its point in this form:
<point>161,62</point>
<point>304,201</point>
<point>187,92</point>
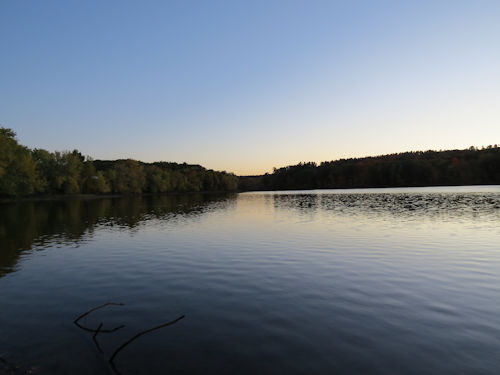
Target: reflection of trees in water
<point>25,225</point>
<point>395,205</point>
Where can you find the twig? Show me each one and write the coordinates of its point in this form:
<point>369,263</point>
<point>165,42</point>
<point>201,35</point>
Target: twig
<point>136,337</point>
<point>102,330</point>
<point>94,337</point>
<point>94,309</point>
<point>97,308</point>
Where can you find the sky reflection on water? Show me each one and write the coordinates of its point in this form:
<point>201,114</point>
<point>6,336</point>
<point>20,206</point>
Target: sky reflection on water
<point>276,282</point>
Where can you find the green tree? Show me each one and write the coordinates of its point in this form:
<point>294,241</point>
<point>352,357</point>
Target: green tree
<point>129,177</point>
<point>45,163</point>
<point>17,168</point>
<point>67,169</point>
<point>92,181</point>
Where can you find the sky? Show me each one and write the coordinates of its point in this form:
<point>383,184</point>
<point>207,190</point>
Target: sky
<point>245,86</point>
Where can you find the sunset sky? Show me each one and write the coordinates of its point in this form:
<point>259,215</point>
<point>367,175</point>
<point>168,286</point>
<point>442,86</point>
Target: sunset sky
<point>245,86</point>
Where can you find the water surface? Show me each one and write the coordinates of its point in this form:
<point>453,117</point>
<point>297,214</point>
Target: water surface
<point>378,281</point>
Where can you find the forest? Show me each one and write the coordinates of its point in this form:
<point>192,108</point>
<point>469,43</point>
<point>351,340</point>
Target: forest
<point>26,172</point>
<point>472,166</point>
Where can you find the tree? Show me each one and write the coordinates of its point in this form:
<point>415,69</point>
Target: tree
<point>92,181</point>
<point>17,169</point>
<point>129,177</point>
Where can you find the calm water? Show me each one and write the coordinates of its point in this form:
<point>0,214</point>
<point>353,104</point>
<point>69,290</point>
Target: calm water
<point>382,281</point>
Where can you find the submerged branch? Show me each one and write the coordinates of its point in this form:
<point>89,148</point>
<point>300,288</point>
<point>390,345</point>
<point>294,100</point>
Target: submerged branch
<point>100,330</point>
<point>94,309</point>
<point>136,337</point>
<point>94,337</point>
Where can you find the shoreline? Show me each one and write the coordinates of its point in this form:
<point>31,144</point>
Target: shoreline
<point>59,197</point>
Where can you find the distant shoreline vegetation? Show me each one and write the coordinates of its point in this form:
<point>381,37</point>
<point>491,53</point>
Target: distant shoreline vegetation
<point>472,166</point>
<point>37,172</point>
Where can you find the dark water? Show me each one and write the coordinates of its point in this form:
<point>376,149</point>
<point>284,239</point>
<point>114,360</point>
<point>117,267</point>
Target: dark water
<point>387,281</point>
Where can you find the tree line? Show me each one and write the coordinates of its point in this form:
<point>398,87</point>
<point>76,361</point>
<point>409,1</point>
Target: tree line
<point>25,171</point>
<point>472,166</point>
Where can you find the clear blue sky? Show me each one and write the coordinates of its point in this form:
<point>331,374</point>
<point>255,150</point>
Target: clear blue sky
<point>244,86</point>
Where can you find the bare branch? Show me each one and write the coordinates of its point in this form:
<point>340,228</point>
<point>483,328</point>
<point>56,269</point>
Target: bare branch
<point>94,309</point>
<point>94,337</point>
<point>111,359</point>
